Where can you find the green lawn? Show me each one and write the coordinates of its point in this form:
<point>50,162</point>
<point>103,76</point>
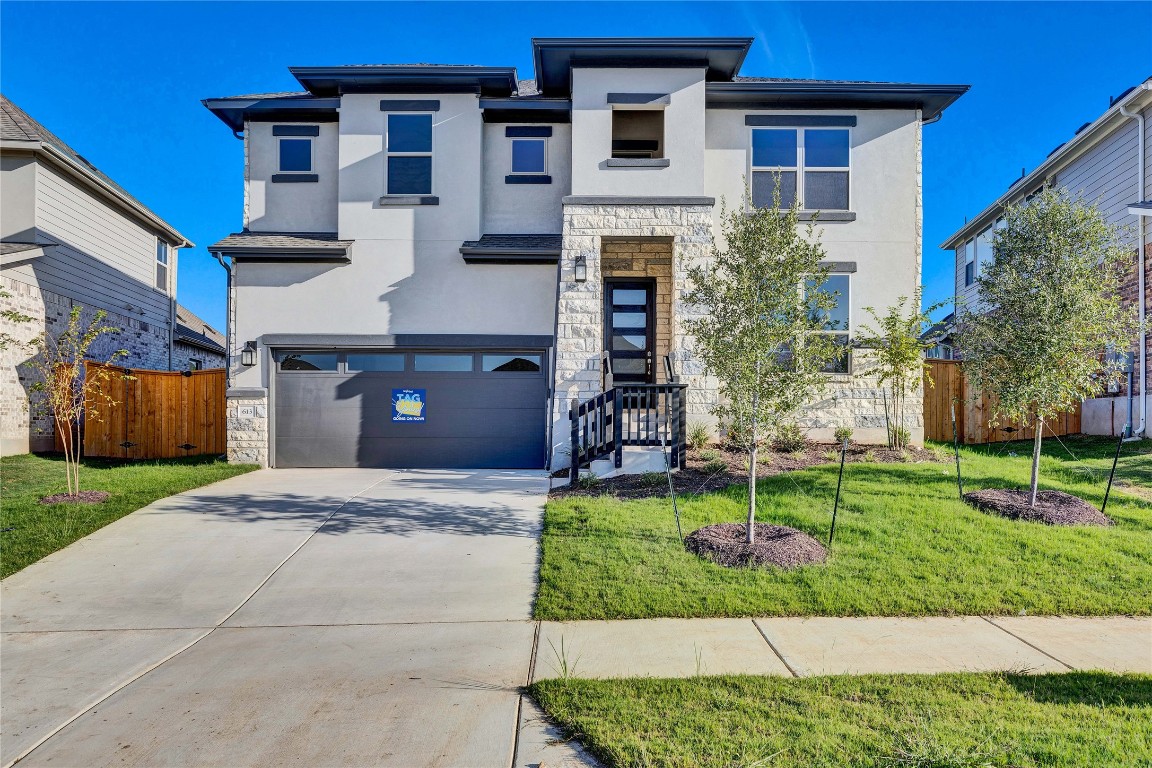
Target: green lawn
<point>1089,719</point>
<point>905,545</point>
<point>32,530</point>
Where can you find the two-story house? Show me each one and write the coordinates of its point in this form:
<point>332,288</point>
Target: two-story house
<point>1105,163</point>
<point>436,261</point>
<point>70,235</point>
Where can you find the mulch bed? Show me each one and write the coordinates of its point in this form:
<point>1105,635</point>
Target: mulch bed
<point>694,478</point>
<point>83,497</point>
<point>783,547</point>
<point>1052,507</point>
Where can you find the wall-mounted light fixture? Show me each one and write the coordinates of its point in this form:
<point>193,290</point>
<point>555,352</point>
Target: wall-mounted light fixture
<point>581,268</point>
<point>248,354</point>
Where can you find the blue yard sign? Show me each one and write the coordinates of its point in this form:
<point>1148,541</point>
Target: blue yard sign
<point>408,405</point>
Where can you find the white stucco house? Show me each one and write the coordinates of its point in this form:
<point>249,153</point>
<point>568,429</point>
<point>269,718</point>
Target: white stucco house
<point>70,235</point>
<point>436,262</point>
<point>1106,163</point>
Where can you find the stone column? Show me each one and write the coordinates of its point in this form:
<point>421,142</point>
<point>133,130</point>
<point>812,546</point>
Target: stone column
<point>247,418</point>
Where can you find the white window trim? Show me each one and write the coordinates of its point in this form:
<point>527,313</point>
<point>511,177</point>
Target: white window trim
<point>311,153</point>
<point>511,155</point>
<point>800,168</point>
<point>165,248</point>
<point>431,155</point>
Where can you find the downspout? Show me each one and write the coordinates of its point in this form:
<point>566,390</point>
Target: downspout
<point>227,323</point>
<point>1141,299</point>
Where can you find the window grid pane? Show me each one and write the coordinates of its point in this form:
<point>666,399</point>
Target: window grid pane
<point>295,155</point>
<point>409,175</point>
<point>511,363</point>
<point>409,133</point>
<point>528,155</point>
<point>443,363</point>
<point>375,361</point>
<point>825,149</point>
<point>764,185</point>
<point>826,190</point>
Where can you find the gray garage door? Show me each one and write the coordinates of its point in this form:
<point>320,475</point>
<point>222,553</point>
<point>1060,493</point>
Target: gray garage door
<point>411,408</point>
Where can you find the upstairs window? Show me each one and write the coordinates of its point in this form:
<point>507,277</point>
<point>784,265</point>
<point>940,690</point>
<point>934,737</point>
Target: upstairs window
<point>409,154</point>
<point>529,156</point>
<point>295,155</point>
<point>161,265</point>
<point>812,165</point>
<point>638,133</point>
<point>968,251</point>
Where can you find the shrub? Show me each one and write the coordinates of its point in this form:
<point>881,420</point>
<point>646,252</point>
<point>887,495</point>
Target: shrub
<point>870,455</point>
<point>589,481</point>
<point>831,455</point>
<point>710,454</point>
<point>764,458</point>
<point>652,479</point>
<point>789,438</point>
<point>715,466</point>
<point>699,436</point>
<point>843,433</point>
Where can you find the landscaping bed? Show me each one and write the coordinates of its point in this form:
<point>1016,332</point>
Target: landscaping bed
<point>1072,720</point>
<point>33,528</point>
<point>1052,507</point>
<point>906,544</point>
<point>714,469</point>
<point>775,545</point>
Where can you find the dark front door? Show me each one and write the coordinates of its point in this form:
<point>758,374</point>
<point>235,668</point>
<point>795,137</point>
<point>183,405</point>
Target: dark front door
<point>629,329</point>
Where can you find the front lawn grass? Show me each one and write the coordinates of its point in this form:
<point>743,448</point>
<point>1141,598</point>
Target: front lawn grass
<point>32,530</point>
<point>1088,719</point>
<point>905,545</point>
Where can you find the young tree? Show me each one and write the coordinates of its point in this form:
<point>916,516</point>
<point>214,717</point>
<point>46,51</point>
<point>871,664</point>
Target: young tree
<point>898,356</point>
<point>1050,310</point>
<point>66,391</point>
<point>15,318</point>
<point>758,333</point>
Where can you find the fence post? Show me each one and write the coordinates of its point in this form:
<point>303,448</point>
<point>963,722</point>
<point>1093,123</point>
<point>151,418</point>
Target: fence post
<point>839,481</point>
<point>617,425</point>
<point>956,450</point>
<point>1112,474</point>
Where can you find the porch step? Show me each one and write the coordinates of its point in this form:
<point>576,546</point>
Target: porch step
<point>635,460</point>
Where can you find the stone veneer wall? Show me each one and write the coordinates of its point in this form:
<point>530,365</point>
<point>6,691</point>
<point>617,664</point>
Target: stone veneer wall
<point>579,321</point>
<point>248,435</point>
<point>857,401</point>
<point>20,428</point>
<point>645,259</point>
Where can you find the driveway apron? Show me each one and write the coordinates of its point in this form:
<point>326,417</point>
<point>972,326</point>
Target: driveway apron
<point>284,617</point>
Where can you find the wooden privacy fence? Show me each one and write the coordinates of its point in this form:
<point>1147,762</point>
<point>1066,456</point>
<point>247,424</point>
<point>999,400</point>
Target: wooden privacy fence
<point>159,415</point>
<point>972,414</point>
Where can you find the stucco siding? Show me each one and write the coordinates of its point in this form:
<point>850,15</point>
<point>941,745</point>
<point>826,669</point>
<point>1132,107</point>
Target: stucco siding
<point>291,207</point>
<point>525,208</point>
<point>683,132</point>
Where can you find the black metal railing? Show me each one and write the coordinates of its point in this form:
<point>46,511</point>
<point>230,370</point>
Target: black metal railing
<point>651,415</point>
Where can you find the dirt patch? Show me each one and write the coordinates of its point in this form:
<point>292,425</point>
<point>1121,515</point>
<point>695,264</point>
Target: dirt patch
<point>83,497</point>
<point>1052,507</point>
<point>776,545</point>
<point>714,469</point>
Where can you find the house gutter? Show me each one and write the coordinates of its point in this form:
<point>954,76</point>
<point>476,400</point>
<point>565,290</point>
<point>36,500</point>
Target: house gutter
<point>227,323</point>
<point>1142,229</point>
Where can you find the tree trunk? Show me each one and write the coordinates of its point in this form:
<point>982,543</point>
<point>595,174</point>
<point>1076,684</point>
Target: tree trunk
<point>752,455</point>
<point>1039,426</point>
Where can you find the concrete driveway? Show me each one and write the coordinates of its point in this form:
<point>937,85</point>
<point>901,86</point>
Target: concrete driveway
<point>284,617</point>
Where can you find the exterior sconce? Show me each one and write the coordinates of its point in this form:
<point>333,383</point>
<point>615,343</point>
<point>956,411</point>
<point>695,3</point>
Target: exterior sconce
<point>248,354</point>
<point>581,268</point>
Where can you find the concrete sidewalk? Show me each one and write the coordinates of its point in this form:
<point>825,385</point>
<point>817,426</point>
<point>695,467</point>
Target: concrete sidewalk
<point>834,646</point>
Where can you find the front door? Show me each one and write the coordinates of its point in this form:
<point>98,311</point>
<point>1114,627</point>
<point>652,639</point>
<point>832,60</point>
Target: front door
<point>629,329</point>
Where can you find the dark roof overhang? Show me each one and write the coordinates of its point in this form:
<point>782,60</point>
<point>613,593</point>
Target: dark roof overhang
<point>932,100</point>
<point>406,78</point>
<point>555,57</point>
<point>235,110</point>
<point>526,110</point>
<point>185,335</point>
<point>513,249</point>
<point>283,247</point>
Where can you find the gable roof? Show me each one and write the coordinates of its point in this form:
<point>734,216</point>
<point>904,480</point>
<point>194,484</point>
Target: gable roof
<point>191,330</point>
<point>16,125</point>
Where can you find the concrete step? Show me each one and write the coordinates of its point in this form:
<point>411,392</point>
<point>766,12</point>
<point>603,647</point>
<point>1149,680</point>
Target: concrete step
<point>635,460</point>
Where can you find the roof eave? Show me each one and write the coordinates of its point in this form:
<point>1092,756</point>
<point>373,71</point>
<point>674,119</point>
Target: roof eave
<point>1069,151</point>
<point>932,100</point>
<point>334,81</point>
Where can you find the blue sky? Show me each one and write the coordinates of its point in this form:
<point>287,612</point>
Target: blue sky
<point>122,82</point>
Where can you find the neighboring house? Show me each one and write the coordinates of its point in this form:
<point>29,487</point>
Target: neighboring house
<point>197,345</point>
<point>1105,163</point>
<point>70,235</point>
<point>483,241</point>
<point>940,334</point>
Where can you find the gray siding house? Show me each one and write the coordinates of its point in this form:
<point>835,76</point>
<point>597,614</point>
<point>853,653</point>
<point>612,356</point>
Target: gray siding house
<point>436,261</point>
<point>1105,163</point>
<point>70,235</point>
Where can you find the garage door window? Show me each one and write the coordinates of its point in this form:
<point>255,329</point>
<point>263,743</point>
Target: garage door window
<point>443,363</point>
<point>307,361</point>
<point>511,363</point>
<point>375,361</point>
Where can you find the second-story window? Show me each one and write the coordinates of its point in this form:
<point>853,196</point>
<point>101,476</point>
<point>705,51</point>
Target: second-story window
<point>638,134</point>
<point>811,164</point>
<point>529,156</point>
<point>409,154</point>
<point>968,251</point>
<point>162,265</point>
<point>295,155</point>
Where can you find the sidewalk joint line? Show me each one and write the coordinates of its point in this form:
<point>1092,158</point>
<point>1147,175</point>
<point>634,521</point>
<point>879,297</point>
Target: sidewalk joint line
<point>1030,645</point>
<point>532,657</point>
<point>775,650</point>
<point>39,743</point>
<point>516,730</point>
